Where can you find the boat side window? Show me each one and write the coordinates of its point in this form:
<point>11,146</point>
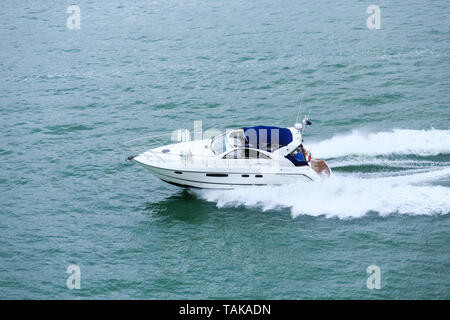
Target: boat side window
<point>299,153</point>
<point>246,153</point>
<point>297,157</point>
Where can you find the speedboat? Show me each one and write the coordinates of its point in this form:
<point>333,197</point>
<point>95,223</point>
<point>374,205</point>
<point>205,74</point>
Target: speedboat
<point>259,155</point>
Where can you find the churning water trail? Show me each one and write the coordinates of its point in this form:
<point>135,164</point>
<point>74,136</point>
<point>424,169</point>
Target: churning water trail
<point>397,142</point>
<point>355,194</point>
<point>340,196</point>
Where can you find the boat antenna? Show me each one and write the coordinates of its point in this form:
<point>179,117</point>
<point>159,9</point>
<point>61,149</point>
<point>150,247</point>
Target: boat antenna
<point>309,112</point>
<point>307,117</point>
<point>299,108</point>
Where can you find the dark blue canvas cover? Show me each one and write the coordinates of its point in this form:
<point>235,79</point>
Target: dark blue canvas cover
<point>267,137</point>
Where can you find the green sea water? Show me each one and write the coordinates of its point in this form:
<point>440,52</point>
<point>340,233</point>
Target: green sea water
<point>74,103</point>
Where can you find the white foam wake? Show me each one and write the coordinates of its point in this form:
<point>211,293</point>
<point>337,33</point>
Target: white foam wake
<point>352,196</point>
<point>397,141</point>
<point>345,196</point>
<point>383,162</point>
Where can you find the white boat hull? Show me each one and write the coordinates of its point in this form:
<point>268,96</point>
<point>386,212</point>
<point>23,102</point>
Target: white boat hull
<point>221,179</point>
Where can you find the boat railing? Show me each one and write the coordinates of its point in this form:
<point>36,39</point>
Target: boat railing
<point>189,159</point>
<point>152,141</point>
<point>148,142</point>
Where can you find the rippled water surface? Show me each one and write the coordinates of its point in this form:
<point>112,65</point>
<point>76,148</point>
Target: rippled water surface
<point>75,103</point>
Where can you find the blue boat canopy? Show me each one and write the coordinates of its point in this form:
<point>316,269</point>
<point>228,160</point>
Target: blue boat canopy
<point>267,137</point>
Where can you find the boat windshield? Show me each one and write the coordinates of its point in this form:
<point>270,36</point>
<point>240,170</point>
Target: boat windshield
<point>237,138</point>
<point>228,141</point>
<point>219,144</point>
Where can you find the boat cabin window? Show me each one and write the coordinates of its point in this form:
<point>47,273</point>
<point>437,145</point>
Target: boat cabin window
<point>246,153</point>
